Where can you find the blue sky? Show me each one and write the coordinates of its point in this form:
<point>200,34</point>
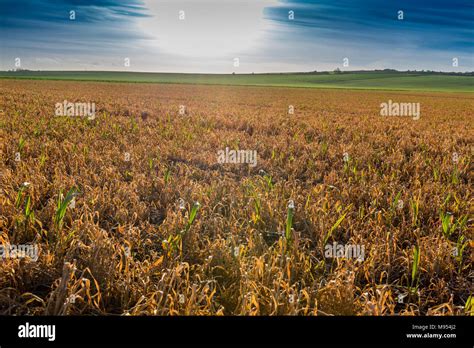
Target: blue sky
<point>211,36</point>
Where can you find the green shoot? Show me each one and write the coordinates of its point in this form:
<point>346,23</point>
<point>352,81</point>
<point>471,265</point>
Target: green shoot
<point>268,180</point>
<point>21,144</point>
<point>289,220</point>
<point>446,224</point>
<point>455,176</point>
<point>257,206</point>
<point>415,267</point>
<point>415,206</point>
<point>63,203</point>
<point>335,226</point>
<point>469,306</point>
<point>167,175</point>
<point>460,246</point>
<point>324,148</point>
<point>192,217</point>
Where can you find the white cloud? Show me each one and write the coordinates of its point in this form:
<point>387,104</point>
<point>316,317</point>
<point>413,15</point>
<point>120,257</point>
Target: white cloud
<point>213,29</point>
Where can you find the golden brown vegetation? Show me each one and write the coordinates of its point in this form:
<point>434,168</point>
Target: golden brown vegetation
<point>126,246</point>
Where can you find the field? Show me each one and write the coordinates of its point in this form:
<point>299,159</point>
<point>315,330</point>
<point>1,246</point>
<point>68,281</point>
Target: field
<point>378,80</point>
<point>111,202</point>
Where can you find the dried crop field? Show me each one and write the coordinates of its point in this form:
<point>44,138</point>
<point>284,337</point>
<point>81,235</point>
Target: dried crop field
<point>111,202</point>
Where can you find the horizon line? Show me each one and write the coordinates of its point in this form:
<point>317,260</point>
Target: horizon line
<point>337,70</point>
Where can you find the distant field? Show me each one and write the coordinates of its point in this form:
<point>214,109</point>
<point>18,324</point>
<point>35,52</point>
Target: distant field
<point>356,80</point>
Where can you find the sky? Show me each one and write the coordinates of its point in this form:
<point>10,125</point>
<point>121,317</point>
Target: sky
<point>224,36</point>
